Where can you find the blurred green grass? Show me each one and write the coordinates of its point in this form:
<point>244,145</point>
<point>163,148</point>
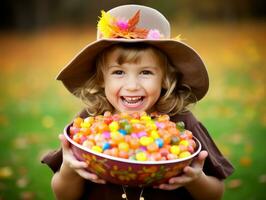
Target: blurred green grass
<point>34,107</point>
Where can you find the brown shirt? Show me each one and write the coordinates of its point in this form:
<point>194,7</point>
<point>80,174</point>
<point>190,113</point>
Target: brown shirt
<point>215,165</point>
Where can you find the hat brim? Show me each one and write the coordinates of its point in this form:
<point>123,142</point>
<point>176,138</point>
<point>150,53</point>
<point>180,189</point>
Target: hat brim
<point>188,62</point>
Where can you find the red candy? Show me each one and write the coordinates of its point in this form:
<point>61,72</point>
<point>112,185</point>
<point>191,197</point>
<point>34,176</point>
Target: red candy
<point>135,136</point>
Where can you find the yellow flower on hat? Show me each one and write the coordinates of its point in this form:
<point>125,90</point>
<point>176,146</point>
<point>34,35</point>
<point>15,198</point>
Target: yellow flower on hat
<point>105,24</point>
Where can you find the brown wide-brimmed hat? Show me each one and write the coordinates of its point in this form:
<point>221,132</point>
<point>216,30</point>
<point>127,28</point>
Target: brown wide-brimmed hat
<point>137,24</point>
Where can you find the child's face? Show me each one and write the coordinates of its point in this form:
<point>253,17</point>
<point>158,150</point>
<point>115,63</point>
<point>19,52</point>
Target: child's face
<point>135,86</point>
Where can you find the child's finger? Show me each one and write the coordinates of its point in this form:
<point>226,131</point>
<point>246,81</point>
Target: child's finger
<point>90,176</point>
<point>64,142</point>
<point>75,164</point>
<point>168,187</point>
<point>199,161</point>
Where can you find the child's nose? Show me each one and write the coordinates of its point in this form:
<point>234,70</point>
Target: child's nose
<point>132,83</point>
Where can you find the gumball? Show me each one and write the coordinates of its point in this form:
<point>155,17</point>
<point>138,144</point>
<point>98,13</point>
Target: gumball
<point>155,156</point>
<point>123,123</point>
<point>128,128</point>
<point>123,146</point>
<point>97,149</point>
<point>122,131</point>
<point>183,147</point>
<point>174,140</point>
<point>114,152</point>
<point>85,125</point>
<point>141,156</point>
<point>184,154</point>
<point>136,115</point>
<point>153,147</point>
<point>88,143</point>
<point>134,143</point>
<point>85,131</point>
<point>192,143</point>
<point>159,142</point>
<point>189,134</point>
<point>89,120</point>
<point>107,114</point>
<point>175,149</point>
<point>116,117</point>
<point>123,154</point>
<point>167,138</point>
<point>106,135</point>
<point>77,122</point>
<point>108,120</point>
<point>145,141</point>
<point>164,152</point>
<point>106,145</point>
<point>102,127</point>
<point>142,134</point>
<point>184,142</point>
<point>114,126</point>
<point>171,156</point>
<point>154,134</point>
<point>74,130</point>
<point>145,118</point>
<point>116,136</point>
<point>137,127</point>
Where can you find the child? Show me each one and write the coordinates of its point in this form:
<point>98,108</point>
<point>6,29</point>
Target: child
<point>134,66</point>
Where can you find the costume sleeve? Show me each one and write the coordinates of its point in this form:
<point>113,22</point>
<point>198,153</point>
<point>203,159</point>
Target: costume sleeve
<point>215,164</point>
<point>54,158</point>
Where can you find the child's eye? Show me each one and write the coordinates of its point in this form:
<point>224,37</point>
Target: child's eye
<point>118,72</point>
<point>146,72</point>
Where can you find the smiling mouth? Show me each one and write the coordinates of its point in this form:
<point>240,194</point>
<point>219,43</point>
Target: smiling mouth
<point>132,101</point>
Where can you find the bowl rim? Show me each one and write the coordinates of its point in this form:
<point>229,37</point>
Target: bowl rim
<point>124,160</point>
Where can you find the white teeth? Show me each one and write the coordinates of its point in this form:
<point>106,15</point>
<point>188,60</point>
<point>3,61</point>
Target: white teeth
<point>132,100</point>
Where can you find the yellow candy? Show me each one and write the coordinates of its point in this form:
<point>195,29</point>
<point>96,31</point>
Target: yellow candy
<point>145,118</point>
<point>116,136</point>
<point>141,156</point>
<point>175,149</point>
<point>123,146</point>
<point>184,154</point>
<point>85,125</point>
<point>145,141</point>
<point>134,121</point>
<point>184,142</point>
<point>97,149</point>
<point>114,126</point>
<point>89,120</point>
<point>154,134</point>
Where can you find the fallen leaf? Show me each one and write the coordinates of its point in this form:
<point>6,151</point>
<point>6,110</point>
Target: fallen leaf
<point>245,161</point>
<point>4,120</point>
<point>235,183</point>
<point>27,195</point>
<point>20,143</point>
<point>47,121</point>
<point>262,178</point>
<point>22,182</point>
<point>5,172</point>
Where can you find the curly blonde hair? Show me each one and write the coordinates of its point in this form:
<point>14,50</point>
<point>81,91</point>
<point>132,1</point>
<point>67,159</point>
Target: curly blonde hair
<point>174,98</point>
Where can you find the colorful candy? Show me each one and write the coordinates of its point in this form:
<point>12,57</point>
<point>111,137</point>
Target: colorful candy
<point>135,136</point>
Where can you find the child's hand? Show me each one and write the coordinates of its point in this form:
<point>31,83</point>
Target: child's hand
<point>70,162</point>
<point>190,173</point>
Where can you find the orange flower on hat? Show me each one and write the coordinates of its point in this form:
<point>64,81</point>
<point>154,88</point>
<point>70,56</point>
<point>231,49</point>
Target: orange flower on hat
<point>110,27</point>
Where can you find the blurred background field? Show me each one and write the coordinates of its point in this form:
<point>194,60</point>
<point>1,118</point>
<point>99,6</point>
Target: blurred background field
<point>34,108</point>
